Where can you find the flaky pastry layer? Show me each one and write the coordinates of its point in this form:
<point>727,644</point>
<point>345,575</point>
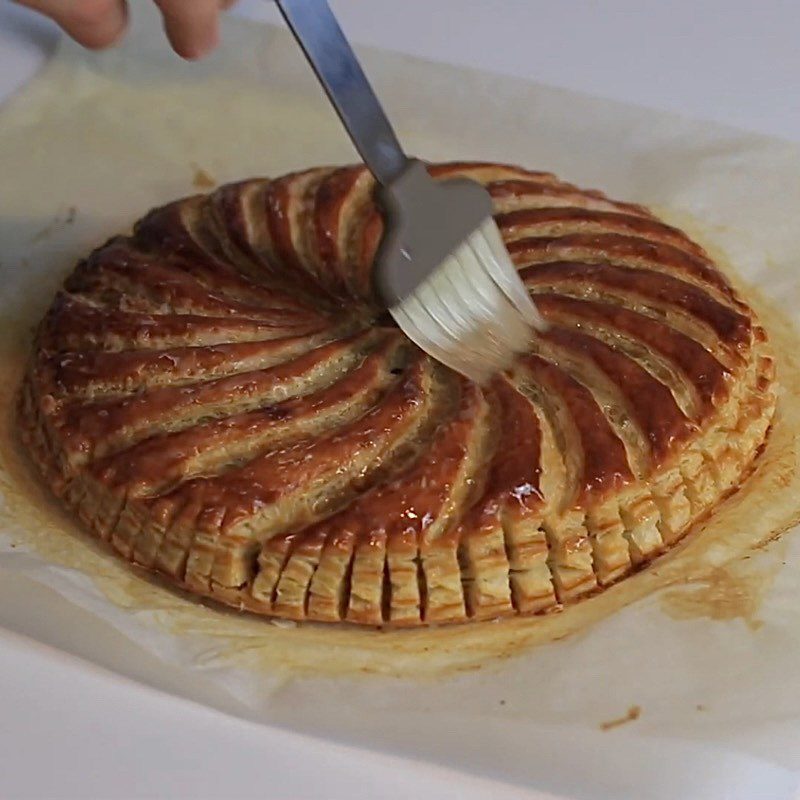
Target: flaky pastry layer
<point>220,397</point>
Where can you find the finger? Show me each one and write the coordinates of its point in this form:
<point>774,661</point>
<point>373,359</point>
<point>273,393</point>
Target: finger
<point>192,26</point>
<point>92,23</point>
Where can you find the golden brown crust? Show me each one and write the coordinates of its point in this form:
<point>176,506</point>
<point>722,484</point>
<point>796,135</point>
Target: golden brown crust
<point>219,398</point>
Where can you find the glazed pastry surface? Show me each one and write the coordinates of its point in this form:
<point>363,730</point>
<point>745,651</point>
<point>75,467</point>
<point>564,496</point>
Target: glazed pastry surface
<point>220,397</point>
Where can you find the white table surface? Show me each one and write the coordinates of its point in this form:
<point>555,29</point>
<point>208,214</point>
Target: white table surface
<point>74,731</point>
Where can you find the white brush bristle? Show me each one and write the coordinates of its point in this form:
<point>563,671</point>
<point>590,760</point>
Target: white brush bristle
<point>472,313</point>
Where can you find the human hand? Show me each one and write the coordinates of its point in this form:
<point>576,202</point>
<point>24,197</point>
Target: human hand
<point>192,26</point>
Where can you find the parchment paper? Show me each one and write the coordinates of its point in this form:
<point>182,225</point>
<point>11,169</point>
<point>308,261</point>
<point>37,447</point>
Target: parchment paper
<point>650,690</point>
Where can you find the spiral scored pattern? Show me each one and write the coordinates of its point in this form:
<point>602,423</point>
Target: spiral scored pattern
<point>219,398</point>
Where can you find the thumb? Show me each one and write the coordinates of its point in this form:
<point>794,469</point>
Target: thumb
<point>92,23</point>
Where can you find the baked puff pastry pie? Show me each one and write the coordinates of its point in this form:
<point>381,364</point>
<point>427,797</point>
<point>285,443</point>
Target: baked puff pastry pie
<point>220,398</point>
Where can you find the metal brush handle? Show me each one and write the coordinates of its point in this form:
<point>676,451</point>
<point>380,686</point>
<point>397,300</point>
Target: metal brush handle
<point>314,26</point>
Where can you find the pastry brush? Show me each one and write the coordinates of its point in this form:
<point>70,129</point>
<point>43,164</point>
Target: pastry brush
<point>442,269</point>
